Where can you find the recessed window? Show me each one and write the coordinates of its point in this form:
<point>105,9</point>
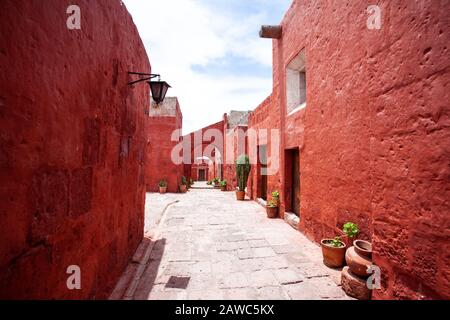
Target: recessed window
<point>296,83</point>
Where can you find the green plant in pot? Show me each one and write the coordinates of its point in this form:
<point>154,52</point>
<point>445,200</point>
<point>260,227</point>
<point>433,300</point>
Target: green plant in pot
<point>183,186</point>
<point>350,231</point>
<point>272,209</point>
<point>162,184</point>
<point>276,197</point>
<point>333,251</point>
<point>216,182</point>
<point>223,185</point>
<point>242,171</point>
<point>209,182</point>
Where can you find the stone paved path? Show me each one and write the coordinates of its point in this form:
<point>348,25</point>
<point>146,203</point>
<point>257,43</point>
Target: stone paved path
<point>210,246</point>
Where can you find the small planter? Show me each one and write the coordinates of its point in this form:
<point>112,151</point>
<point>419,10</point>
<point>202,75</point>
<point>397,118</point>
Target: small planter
<point>162,190</point>
<point>272,212</point>
<point>359,258</point>
<point>240,195</point>
<point>183,188</point>
<point>333,257</point>
<point>223,185</point>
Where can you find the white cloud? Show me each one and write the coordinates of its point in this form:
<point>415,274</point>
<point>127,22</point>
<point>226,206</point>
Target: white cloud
<point>181,33</point>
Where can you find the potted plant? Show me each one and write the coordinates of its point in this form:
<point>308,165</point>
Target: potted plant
<point>333,251</point>
<point>216,182</point>
<point>223,185</point>
<point>272,209</point>
<point>350,231</point>
<point>242,172</point>
<point>183,186</point>
<point>276,197</point>
<point>191,181</point>
<point>162,186</point>
<point>209,182</point>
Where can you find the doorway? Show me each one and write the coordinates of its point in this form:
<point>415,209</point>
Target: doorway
<point>292,181</point>
<point>262,172</point>
<point>201,175</point>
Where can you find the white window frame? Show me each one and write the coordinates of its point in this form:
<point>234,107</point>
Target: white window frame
<point>296,86</point>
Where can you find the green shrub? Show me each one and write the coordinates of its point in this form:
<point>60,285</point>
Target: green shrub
<point>162,183</point>
<point>272,204</point>
<point>337,243</point>
<point>350,229</point>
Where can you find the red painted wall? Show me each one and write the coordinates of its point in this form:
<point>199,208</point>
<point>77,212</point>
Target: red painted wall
<point>265,116</point>
<point>159,149</point>
<point>72,147</point>
<point>374,136</point>
<point>238,140</point>
<point>198,147</point>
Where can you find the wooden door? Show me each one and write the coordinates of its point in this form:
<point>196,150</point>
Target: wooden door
<point>201,175</point>
<point>262,172</point>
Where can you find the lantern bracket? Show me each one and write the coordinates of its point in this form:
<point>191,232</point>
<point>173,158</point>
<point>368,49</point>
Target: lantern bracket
<point>147,76</point>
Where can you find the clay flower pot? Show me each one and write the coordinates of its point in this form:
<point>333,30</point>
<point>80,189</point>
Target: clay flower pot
<point>240,195</point>
<point>359,258</point>
<point>333,257</point>
<point>272,212</point>
<point>162,190</point>
<point>183,188</point>
<point>223,188</point>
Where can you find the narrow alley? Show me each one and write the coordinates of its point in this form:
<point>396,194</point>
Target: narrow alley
<point>285,150</point>
<point>206,245</point>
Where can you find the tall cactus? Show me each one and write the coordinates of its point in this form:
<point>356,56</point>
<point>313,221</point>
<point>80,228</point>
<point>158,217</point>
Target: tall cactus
<point>242,171</point>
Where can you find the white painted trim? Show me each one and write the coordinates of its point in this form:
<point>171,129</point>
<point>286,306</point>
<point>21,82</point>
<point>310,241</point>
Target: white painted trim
<point>300,107</point>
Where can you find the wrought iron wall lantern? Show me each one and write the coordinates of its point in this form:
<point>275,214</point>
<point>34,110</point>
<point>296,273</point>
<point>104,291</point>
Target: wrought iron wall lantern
<point>158,88</point>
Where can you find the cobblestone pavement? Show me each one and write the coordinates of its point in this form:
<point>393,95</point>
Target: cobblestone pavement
<point>210,246</point>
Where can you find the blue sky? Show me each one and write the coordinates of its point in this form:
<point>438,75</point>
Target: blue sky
<point>210,52</point>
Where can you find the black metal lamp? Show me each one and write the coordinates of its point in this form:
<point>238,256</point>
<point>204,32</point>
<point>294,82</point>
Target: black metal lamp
<point>158,88</point>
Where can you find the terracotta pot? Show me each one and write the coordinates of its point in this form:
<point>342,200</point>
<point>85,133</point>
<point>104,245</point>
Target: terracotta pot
<point>240,195</point>
<point>162,190</point>
<point>332,257</point>
<point>272,212</point>
<point>363,248</point>
<point>183,188</point>
<point>223,188</point>
<point>359,258</point>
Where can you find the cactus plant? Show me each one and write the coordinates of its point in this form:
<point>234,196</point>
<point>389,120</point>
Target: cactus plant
<point>242,171</point>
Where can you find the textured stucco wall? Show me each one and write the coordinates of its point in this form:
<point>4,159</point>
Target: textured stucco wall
<point>72,147</point>
<point>163,121</point>
<point>374,136</point>
<point>201,142</point>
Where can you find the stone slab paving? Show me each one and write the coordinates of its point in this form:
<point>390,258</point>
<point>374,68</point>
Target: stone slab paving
<point>210,246</point>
